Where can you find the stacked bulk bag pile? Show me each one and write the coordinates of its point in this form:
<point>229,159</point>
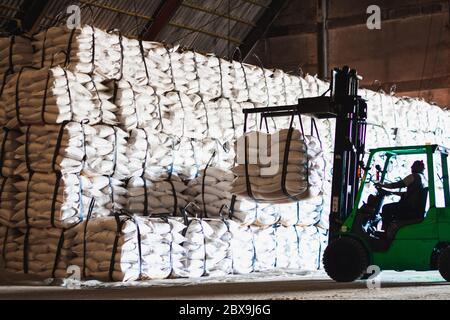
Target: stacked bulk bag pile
<point>44,252</point>
<point>73,147</point>
<point>53,96</point>
<point>3,240</point>
<point>8,164</point>
<point>7,200</point>
<point>65,168</point>
<point>193,264</point>
<point>176,108</point>
<point>223,117</point>
<point>147,197</point>
<point>155,155</point>
<point>303,213</point>
<point>138,106</point>
<point>208,248</point>
<point>127,248</point>
<point>9,143</point>
<point>265,242</point>
<point>155,186</point>
<point>242,247</point>
<point>15,52</point>
<point>288,252</point>
<point>185,114</point>
<point>86,50</point>
<point>48,200</point>
<point>211,192</point>
<point>311,247</point>
<point>69,161</point>
<point>265,214</point>
<point>304,169</point>
<point>219,260</point>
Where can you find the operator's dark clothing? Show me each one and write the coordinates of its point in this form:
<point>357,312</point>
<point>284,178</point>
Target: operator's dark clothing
<point>411,204</point>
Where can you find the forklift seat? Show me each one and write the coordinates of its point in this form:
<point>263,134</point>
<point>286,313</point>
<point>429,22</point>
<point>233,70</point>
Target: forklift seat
<point>397,224</point>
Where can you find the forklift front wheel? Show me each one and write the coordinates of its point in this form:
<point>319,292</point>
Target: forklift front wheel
<point>345,259</point>
<point>444,264</point>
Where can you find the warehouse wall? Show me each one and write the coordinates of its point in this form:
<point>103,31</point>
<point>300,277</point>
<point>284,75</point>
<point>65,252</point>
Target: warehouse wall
<point>411,50</point>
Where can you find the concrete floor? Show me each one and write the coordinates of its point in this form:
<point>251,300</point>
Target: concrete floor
<point>282,285</point>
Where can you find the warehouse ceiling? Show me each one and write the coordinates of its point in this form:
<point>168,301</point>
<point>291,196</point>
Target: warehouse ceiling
<point>217,26</point>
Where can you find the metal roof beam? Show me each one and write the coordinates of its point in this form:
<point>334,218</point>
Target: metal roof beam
<point>193,6</point>
<point>208,33</point>
<point>262,26</point>
<point>161,18</point>
<point>114,9</point>
<point>259,4</point>
<point>7,7</point>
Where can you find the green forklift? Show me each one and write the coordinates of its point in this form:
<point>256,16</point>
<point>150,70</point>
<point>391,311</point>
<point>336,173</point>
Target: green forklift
<point>354,241</point>
<point>417,244</point>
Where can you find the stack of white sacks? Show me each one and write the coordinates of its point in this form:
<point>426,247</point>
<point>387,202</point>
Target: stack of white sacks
<point>208,249</point>
<point>260,173</point>
<point>54,95</point>
<point>69,159</point>
<point>104,123</point>
<point>125,248</point>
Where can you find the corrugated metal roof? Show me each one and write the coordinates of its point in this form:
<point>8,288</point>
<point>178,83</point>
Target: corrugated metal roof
<point>128,16</point>
<point>9,9</point>
<point>216,33</point>
<point>206,25</point>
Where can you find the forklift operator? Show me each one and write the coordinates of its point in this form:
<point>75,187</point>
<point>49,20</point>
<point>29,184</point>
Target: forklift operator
<point>411,204</point>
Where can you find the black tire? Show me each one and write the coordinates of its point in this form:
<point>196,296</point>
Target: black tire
<point>345,260</point>
<point>444,264</point>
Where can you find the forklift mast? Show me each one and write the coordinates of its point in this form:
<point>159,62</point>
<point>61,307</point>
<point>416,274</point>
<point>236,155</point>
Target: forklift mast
<point>350,111</point>
<point>349,144</point>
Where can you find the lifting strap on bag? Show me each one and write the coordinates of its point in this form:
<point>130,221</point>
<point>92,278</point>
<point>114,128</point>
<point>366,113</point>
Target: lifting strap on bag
<point>10,69</point>
<point>27,223</point>
<point>88,218</point>
<point>58,252</point>
<point>5,242</point>
<point>203,182</point>
<point>127,217</point>
<point>17,96</point>
<point>144,167</point>
<point>169,180</point>
<point>3,151</point>
<point>44,48</point>
<point>69,47</point>
<point>141,49</point>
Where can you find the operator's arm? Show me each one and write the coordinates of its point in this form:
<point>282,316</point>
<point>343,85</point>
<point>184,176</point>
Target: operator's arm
<point>399,184</point>
<point>394,185</point>
<point>400,194</point>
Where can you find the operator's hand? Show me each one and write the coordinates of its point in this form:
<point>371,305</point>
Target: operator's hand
<point>378,185</point>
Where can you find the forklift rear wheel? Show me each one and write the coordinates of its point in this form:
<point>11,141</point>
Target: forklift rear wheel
<point>345,259</point>
<point>444,264</point>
